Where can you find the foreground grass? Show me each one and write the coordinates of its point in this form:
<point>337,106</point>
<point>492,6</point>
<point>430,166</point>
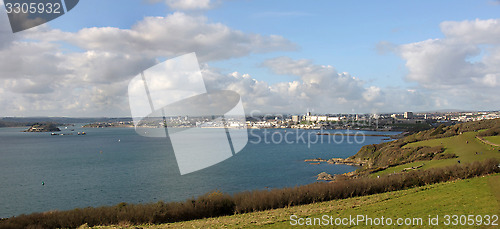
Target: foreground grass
<point>466,146</point>
<point>477,196</point>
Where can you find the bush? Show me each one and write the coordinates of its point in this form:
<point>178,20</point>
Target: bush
<point>490,132</point>
<point>438,130</point>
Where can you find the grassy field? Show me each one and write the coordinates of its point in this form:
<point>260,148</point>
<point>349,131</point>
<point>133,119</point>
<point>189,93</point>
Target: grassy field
<point>466,146</point>
<point>477,196</point>
<point>493,139</point>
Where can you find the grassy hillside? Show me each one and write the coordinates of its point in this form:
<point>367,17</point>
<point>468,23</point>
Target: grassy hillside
<point>440,146</point>
<point>478,196</point>
<point>466,147</point>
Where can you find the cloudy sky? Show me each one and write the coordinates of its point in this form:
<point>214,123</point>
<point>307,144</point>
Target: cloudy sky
<point>281,56</point>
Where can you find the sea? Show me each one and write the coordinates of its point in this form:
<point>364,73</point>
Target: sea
<point>40,172</point>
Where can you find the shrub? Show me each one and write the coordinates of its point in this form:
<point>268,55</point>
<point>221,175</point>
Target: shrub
<point>490,132</point>
<point>438,130</point>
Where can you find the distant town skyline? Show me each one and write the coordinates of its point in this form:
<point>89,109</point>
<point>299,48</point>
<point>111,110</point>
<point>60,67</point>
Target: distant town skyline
<point>280,56</point>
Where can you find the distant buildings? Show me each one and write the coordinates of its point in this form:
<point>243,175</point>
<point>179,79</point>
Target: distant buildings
<point>408,115</point>
<point>387,121</point>
<point>396,116</point>
<point>333,119</point>
<point>321,118</point>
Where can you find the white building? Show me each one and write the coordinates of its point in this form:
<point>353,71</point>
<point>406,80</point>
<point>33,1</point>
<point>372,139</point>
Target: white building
<point>408,115</point>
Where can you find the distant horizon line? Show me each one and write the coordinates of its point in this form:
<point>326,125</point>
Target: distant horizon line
<point>262,113</point>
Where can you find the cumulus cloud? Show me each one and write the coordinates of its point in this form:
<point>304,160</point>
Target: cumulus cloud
<point>371,93</point>
<point>439,63</point>
<point>319,88</point>
<point>169,36</point>
<point>36,64</point>
<point>462,68</point>
<point>474,32</point>
<point>41,78</point>
<point>42,82</point>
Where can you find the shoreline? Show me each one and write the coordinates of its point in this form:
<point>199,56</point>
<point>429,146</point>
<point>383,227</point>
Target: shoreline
<point>338,161</point>
<point>323,176</point>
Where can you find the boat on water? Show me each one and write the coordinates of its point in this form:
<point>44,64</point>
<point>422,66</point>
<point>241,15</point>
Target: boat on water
<point>54,134</point>
<point>64,134</point>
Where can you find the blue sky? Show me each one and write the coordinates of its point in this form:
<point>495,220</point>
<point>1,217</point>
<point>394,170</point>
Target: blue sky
<point>344,34</point>
<point>376,49</point>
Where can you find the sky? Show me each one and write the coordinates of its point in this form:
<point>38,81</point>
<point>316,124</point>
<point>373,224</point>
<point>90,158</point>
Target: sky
<point>280,56</point>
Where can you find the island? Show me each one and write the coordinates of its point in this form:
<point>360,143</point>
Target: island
<point>43,127</point>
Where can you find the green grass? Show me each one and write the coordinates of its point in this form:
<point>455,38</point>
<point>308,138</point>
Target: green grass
<point>477,196</point>
<point>466,146</point>
<point>493,139</point>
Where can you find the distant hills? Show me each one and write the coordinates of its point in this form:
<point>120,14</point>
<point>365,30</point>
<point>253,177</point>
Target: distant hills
<point>29,121</point>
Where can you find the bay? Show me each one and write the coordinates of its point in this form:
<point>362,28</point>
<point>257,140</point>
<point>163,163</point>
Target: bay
<point>107,166</point>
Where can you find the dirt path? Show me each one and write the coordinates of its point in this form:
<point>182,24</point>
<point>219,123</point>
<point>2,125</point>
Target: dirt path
<point>486,141</point>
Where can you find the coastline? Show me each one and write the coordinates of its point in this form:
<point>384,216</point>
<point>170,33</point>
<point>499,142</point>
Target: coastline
<point>323,176</point>
<point>257,159</point>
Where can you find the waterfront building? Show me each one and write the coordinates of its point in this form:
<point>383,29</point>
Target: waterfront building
<point>408,115</point>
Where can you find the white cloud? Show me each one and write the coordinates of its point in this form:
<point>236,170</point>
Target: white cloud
<point>170,36</point>
<point>461,69</point>
<point>371,93</point>
<point>473,32</point>
<point>41,78</point>
<point>36,64</point>
<point>320,88</point>
<point>489,80</point>
<point>439,63</point>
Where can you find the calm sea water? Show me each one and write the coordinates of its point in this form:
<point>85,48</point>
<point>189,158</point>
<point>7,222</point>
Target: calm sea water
<point>112,165</point>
